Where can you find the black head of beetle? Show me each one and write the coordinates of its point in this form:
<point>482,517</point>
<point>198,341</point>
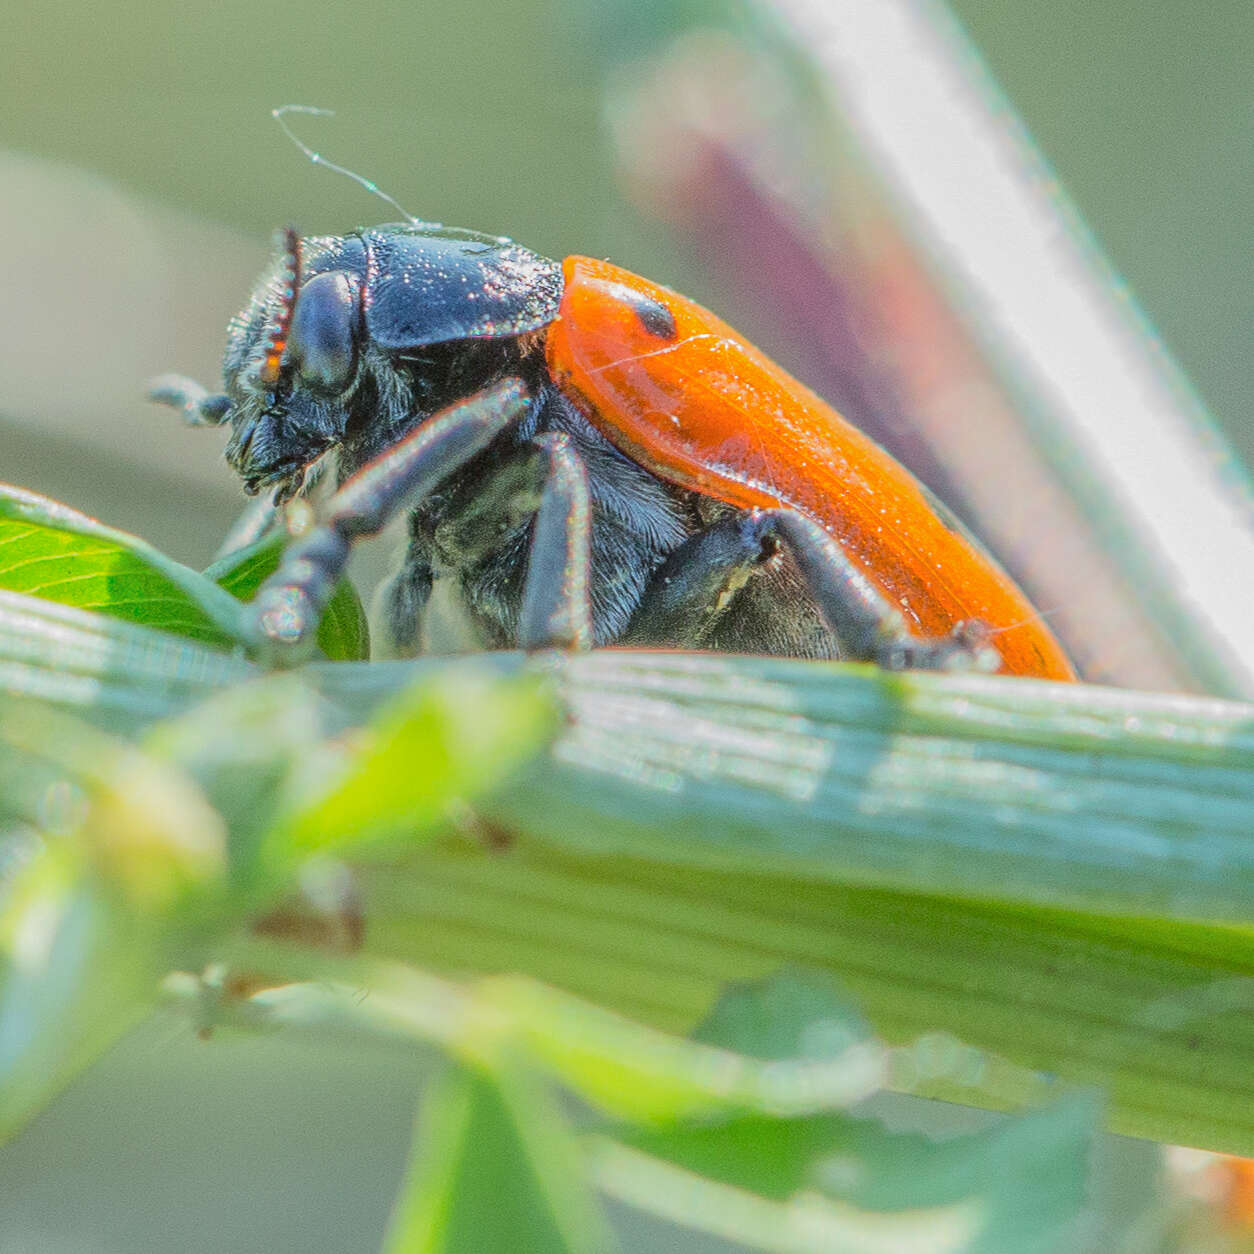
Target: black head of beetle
<point>350,340</point>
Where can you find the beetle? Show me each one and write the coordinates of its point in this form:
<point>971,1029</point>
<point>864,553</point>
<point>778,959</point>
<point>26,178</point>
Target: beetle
<point>591,459</point>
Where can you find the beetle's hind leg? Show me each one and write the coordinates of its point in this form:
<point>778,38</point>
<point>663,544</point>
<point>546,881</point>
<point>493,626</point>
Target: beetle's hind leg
<point>695,587</point>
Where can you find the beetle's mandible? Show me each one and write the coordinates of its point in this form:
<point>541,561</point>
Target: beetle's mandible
<point>590,458</point>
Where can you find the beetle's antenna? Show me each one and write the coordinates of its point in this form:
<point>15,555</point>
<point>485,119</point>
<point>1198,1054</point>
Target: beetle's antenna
<point>317,158</point>
<point>269,371</point>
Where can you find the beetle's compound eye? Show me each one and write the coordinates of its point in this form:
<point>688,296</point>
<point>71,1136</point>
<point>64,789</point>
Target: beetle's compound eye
<point>322,343</point>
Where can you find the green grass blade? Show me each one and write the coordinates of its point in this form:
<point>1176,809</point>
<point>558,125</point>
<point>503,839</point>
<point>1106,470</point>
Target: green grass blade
<point>104,667</point>
<point>1010,791</point>
<point>1058,875</point>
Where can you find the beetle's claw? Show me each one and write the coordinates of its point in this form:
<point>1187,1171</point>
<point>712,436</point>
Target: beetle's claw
<point>965,650</point>
<point>972,650</point>
<point>282,625</point>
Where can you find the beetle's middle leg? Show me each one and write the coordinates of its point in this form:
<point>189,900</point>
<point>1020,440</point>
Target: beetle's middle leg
<point>541,488</point>
<point>695,587</point>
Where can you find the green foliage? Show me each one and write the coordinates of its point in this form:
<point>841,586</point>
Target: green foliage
<point>564,863</point>
<point>497,1170</point>
<point>51,551</point>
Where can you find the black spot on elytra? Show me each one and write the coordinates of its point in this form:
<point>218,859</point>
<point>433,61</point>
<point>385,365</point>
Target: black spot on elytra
<point>654,316</point>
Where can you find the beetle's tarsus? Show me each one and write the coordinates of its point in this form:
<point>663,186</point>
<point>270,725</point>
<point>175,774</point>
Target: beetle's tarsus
<point>964,650</point>
<point>282,626</point>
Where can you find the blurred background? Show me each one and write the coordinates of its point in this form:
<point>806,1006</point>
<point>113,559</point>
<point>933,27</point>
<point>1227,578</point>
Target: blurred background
<point>492,115</point>
<point>693,142</point>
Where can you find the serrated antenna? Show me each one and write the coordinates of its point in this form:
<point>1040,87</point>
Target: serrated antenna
<point>269,370</point>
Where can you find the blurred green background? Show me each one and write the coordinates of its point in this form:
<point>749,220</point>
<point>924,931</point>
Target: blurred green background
<point>142,176</point>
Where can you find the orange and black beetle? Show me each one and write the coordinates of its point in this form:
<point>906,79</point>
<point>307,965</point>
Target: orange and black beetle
<point>591,458</point>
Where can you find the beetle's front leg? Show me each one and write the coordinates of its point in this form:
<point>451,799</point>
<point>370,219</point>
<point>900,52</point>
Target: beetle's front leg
<point>694,588</point>
<point>289,605</point>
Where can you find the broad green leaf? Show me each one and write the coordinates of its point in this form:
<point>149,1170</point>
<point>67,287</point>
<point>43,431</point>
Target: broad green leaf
<point>342,635</point>
<point>495,1169</point>
<point>51,551</point>
<point>1023,1179</point>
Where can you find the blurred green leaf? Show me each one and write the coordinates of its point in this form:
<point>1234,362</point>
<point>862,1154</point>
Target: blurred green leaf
<point>256,750</point>
<point>1023,1180</point>
<point>445,738</point>
<point>638,1073</point>
<point>295,779</point>
<point>496,1169</point>
<point>796,1015</point>
<point>127,868</point>
<point>145,827</point>
<point>343,634</point>
<point>49,550</point>
<point>800,1224</point>
<point>774,1181</point>
<point>624,1069</point>
<point>71,979</point>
